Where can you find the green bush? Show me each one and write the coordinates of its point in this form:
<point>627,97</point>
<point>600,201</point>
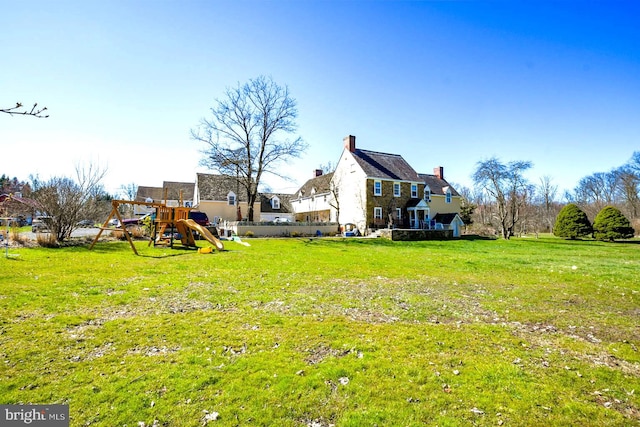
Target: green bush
<point>572,222</point>
<point>611,224</point>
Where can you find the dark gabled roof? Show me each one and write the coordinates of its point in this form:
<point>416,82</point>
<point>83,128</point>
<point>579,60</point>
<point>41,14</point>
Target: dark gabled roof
<point>157,194</point>
<point>285,203</point>
<point>174,190</point>
<point>319,183</point>
<point>385,165</point>
<point>153,193</point>
<point>437,185</point>
<point>445,218</point>
<point>217,187</point>
<point>412,203</point>
<point>4,198</point>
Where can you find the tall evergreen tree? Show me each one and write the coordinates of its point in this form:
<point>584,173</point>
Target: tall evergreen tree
<point>611,224</point>
<point>572,223</point>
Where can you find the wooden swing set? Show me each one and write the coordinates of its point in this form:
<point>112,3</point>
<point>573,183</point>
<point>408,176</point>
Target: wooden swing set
<point>175,218</point>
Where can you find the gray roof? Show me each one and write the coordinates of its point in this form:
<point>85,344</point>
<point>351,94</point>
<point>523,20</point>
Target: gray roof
<point>175,189</point>
<point>437,185</point>
<point>395,167</point>
<point>445,218</point>
<point>144,193</point>
<point>172,192</point>
<point>320,183</point>
<point>217,187</point>
<point>285,203</point>
<point>385,165</point>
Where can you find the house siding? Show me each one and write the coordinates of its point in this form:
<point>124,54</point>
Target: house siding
<point>350,180</point>
<point>354,177</point>
<point>224,211</point>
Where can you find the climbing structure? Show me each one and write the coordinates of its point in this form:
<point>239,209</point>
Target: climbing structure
<point>168,220</point>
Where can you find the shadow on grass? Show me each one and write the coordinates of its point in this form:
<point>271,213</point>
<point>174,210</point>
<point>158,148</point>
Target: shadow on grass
<point>364,241</point>
<point>582,241</point>
<point>474,237</point>
<point>626,242</point>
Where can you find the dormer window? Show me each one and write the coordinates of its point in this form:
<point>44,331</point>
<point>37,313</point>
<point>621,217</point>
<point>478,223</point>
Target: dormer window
<point>275,203</point>
<point>448,196</point>
<point>427,193</point>
<point>231,198</point>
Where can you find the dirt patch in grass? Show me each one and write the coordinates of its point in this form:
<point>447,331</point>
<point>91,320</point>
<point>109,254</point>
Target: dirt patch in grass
<point>318,354</point>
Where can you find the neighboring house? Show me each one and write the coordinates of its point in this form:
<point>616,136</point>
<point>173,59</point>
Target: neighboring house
<point>314,200</point>
<point>14,205</point>
<point>171,193</point>
<point>275,207</point>
<point>222,198</point>
<point>377,190</point>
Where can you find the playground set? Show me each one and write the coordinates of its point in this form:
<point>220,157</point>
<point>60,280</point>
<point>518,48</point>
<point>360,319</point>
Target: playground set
<point>167,219</point>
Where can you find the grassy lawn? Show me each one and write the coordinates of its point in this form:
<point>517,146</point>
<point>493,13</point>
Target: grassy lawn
<point>320,332</point>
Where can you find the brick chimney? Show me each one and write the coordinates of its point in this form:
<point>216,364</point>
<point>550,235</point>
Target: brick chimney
<point>350,143</point>
<point>317,173</point>
<point>438,171</point>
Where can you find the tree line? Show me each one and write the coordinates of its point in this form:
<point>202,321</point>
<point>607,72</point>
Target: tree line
<point>504,202</point>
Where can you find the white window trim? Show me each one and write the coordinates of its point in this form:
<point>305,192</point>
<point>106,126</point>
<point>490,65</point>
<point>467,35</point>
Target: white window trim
<point>448,196</point>
<point>275,203</point>
<point>375,212</point>
<point>427,193</point>
<point>399,187</point>
<point>378,183</point>
<point>414,191</point>
<point>231,197</point>
<point>398,214</point>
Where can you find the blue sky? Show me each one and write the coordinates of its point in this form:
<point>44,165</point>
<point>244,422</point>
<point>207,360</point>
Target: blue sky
<point>440,83</point>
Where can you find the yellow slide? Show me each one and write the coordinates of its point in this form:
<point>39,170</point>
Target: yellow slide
<point>203,232</point>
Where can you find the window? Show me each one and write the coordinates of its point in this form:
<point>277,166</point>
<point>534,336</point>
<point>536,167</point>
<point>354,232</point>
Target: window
<point>448,196</point>
<point>231,198</point>
<point>377,213</point>
<point>396,189</point>
<point>377,188</point>
<point>427,194</point>
<point>414,191</point>
<point>275,203</point>
<point>398,214</point>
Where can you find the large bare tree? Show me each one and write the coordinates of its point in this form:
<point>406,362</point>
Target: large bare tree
<point>506,184</point>
<point>247,134</point>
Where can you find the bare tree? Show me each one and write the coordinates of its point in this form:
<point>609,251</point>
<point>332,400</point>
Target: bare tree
<point>244,136</point>
<point>328,167</point>
<point>19,111</point>
<point>507,186</point>
<point>129,191</point>
<point>627,194</point>
<point>64,201</point>
<point>596,191</point>
<point>547,194</point>
<point>467,207</point>
<point>629,185</point>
